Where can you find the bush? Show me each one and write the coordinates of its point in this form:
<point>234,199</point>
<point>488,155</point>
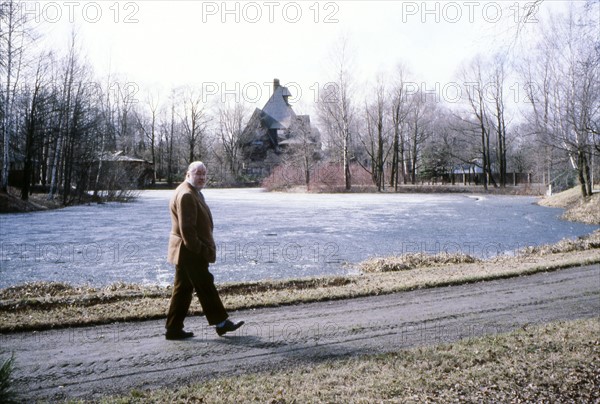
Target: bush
<point>283,177</point>
<point>324,177</point>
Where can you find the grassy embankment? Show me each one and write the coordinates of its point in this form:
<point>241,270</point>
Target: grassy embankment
<point>41,306</point>
<point>577,208</point>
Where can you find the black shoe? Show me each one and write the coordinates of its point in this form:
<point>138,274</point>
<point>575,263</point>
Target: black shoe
<point>229,327</point>
<point>178,334</point>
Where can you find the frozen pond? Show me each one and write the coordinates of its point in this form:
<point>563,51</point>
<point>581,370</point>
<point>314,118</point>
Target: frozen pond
<point>268,235</point>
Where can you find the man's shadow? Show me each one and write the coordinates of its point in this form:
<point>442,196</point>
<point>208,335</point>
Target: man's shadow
<point>250,335</point>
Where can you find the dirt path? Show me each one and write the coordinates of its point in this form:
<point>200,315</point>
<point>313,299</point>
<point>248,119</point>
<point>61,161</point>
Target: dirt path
<point>93,361</point>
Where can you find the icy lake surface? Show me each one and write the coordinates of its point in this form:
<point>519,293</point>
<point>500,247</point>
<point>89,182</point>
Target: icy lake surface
<point>264,235</point>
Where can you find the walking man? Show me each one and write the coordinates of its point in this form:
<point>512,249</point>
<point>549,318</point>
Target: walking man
<point>191,249</point>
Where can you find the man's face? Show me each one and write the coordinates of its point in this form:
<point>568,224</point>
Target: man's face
<point>198,177</point>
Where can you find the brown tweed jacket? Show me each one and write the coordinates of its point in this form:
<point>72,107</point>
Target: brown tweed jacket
<point>191,235</point>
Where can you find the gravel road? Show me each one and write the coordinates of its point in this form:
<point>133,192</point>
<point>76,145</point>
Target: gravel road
<point>94,361</point>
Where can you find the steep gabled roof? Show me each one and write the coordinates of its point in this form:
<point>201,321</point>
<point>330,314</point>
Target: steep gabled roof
<point>279,113</point>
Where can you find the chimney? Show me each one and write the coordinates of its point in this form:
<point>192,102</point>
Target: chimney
<point>275,84</point>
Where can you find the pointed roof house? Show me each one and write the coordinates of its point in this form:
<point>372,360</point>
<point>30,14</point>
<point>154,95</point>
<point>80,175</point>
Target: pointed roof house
<point>274,130</point>
<point>277,110</point>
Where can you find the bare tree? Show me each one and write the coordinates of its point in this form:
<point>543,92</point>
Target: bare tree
<point>194,119</point>
<point>564,91</point>
<point>499,113</point>
<point>335,107</point>
<point>304,151</point>
<point>125,99</point>
<point>168,135</point>
<point>475,89</point>
<point>14,38</point>
<point>149,129</point>
<point>232,119</point>
<point>376,142</point>
<point>36,111</point>
<point>440,149</point>
<point>399,111</point>
<point>75,121</point>
<point>419,129</point>
<point>64,116</point>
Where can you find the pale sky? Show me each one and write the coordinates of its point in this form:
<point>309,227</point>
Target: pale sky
<point>240,46</point>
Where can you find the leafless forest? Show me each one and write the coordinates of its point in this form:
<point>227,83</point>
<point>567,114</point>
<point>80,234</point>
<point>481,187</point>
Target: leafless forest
<point>531,108</point>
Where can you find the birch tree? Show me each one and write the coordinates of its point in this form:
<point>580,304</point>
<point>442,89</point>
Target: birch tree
<point>14,38</point>
<point>36,114</point>
<point>336,109</point>
<point>63,109</point>
<point>564,89</point>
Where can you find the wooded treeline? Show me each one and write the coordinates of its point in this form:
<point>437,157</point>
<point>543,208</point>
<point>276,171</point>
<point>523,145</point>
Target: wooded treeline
<point>532,108</point>
<point>537,112</point>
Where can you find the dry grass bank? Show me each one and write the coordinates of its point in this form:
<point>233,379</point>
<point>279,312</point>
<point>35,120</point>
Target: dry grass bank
<point>41,306</point>
<point>558,362</point>
<point>578,209</point>
<point>11,202</point>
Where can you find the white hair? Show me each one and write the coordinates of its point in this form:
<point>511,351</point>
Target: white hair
<point>194,166</point>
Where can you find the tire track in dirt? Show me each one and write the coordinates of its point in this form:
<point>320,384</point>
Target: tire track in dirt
<point>94,361</point>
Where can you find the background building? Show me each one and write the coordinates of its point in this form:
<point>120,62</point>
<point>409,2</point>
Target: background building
<point>275,134</point>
